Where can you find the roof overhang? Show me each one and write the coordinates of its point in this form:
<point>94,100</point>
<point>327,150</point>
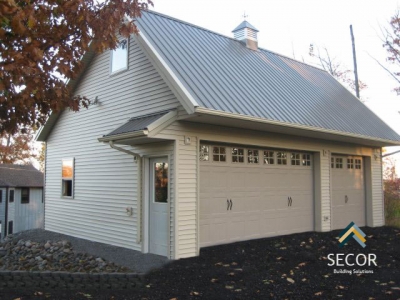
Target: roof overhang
<point>144,135</point>
<point>221,118</point>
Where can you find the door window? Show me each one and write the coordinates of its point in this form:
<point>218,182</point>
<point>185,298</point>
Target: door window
<point>161,182</point>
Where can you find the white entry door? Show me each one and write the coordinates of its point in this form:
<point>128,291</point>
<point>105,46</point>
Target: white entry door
<point>159,198</point>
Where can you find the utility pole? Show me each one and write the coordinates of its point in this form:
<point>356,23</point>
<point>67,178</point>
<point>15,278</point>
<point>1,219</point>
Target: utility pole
<point>355,63</point>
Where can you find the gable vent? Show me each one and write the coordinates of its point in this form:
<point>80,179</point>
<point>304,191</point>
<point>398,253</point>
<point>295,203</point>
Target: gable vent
<point>247,34</point>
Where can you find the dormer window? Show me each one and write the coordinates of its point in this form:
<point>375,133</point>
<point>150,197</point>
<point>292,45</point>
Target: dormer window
<point>119,57</point>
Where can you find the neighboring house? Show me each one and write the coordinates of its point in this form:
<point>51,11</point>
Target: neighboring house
<point>197,139</point>
<point>21,198</point>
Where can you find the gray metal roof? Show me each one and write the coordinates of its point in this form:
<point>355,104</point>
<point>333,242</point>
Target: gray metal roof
<point>137,123</point>
<point>222,74</point>
<point>20,176</point>
<point>244,24</point>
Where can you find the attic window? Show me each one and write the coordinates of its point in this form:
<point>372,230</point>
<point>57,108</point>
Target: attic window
<point>119,57</point>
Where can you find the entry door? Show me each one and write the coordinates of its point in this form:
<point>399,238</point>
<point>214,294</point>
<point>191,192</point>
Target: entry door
<point>159,198</point>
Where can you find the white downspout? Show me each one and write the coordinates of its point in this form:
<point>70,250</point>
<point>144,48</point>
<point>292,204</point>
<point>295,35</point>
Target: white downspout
<point>138,160</point>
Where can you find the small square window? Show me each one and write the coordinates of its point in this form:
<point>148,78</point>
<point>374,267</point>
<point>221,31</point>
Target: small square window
<point>281,158</point>
<point>67,182</point>
<point>25,195</point>
<point>219,154</point>
<point>238,155</point>
<point>11,197</point>
<point>252,156</point>
<point>339,163</point>
<point>119,57</point>
<point>269,158</point>
<point>332,163</point>
<point>357,164</point>
<point>350,163</point>
<point>204,153</point>
<point>306,160</point>
<point>295,159</point>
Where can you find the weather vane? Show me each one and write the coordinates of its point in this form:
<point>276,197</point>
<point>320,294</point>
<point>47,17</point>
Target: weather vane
<point>245,16</point>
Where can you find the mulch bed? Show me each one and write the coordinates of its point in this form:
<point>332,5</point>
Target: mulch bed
<point>288,267</point>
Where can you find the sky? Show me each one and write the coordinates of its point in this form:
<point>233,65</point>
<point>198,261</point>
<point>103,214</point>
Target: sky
<point>289,27</point>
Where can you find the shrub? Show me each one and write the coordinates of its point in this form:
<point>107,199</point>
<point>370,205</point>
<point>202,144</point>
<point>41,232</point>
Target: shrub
<point>392,202</point>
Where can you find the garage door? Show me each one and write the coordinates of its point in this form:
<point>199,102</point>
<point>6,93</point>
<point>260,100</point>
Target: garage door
<point>348,197</point>
<point>253,193</point>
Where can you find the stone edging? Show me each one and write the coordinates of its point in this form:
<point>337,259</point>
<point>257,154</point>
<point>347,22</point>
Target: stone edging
<point>49,280</point>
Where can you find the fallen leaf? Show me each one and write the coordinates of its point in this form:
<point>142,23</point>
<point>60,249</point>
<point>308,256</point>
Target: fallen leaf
<point>318,294</point>
<point>310,240</point>
<point>238,290</point>
<point>218,264</point>
<point>340,287</point>
<point>302,264</point>
<point>234,264</point>
<point>229,287</point>
<point>290,280</point>
<point>304,279</point>
<point>396,288</point>
<point>194,293</point>
<point>214,280</point>
<point>231,274</point>
<point>227,265</point>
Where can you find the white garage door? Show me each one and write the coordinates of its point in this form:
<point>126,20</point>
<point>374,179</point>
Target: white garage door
<point>249,194</point>
<point>348,198</point>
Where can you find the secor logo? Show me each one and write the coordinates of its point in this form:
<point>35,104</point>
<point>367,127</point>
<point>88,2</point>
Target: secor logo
<point>352,231</point>
<point>351,259</point>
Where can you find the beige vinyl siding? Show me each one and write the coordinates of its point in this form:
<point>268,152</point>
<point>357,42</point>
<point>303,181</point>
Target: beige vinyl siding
<point>105,181</point>
<point>378,214</point>
<point>187,170</point>
<point>325,190</point>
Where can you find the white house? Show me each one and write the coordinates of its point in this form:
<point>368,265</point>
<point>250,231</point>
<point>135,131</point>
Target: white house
<point>21,198</point>
<point>197,139</point>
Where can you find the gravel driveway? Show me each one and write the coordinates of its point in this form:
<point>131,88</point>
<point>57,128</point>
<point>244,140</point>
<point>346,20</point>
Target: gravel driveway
<point>133,260</point>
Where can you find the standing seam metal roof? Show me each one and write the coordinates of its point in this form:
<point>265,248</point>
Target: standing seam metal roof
<point>137,123</point>
<point>222,74</point>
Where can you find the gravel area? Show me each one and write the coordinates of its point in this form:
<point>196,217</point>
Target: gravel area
<point>131,259</point>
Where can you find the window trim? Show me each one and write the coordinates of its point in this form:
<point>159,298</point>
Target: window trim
<point>67,178</point>
<point>295,157</point>
<point>29,195</point>
<point>112,73</point>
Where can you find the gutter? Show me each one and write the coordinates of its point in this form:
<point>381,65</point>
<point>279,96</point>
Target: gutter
<point>138,160</point>
<point>123,136</point>
<point>206,111</point>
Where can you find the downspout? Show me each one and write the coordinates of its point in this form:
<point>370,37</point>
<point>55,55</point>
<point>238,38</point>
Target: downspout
<point>138,160</point>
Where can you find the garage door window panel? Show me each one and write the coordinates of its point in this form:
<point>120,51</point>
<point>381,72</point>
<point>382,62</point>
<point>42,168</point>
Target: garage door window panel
<point>350,163</point>
<point>237,155</point>
<point>204,153</point>
<point>338,163</point>
<point>306,160</point>
<point>295,159</point>
<point>253,156</point>
<point>219,154</point>
<point>357,164</point>
<point>269,157</point>
<point>281,158</point>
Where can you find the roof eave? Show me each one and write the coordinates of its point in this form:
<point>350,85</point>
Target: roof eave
<point>218,113</point>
